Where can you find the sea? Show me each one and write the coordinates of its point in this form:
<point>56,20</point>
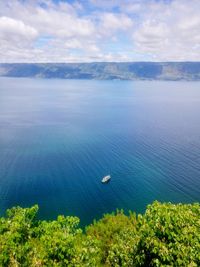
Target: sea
<point>59,138</point>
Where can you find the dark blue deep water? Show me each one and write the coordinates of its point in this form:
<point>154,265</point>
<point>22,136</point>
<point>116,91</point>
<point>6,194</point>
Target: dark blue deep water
<point>58,138</point>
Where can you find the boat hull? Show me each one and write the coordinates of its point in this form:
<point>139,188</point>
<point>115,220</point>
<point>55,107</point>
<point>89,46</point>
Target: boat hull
<point>106,179</point>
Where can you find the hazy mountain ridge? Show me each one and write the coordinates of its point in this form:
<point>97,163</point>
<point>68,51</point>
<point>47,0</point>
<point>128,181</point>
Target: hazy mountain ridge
<point>105,70</point>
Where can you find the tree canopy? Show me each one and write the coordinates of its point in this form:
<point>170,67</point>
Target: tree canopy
<point>165,235</point>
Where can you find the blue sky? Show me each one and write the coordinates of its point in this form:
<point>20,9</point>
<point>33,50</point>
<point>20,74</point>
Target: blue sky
<point>99,30</point>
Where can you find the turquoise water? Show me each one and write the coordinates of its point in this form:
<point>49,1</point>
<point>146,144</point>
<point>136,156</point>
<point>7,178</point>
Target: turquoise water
<point>58,138</point>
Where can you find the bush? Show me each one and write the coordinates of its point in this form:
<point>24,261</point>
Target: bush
<point>166,235</point>
<point>170,235</point>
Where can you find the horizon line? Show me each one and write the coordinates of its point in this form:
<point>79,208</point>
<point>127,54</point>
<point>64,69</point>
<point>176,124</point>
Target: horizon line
<point>96,62</point>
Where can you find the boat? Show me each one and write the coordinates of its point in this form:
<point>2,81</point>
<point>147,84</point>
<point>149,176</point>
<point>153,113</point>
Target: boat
<point>106,179</point>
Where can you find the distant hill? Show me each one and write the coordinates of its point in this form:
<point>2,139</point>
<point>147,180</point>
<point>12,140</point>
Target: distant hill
<point>172,71</point>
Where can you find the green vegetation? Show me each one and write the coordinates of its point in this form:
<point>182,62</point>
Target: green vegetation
<point>166,235</point>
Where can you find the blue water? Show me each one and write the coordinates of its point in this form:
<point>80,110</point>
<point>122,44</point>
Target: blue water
<point>58,138</point>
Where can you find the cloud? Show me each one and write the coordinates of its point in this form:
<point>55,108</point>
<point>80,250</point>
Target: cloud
<point>61,23</point>
<point>170,32</point>
<point>110,23</point>
<point>15,38</point>
<point>151,36</point>
<point>58,24</point>
<point>12,30</point>
<point>94,30</point>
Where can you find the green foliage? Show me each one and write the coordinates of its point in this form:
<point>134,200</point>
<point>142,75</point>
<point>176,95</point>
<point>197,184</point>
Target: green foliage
<point>166,235</point>
<point>170,235</point>
<point>25,241</point>
<point>117,238</point>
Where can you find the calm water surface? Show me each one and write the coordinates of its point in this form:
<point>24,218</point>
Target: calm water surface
<point>58,138</point>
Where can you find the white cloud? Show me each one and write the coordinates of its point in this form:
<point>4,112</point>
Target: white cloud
<point>151,36</point>
<point>115,30</point>
<point>12,29</point>
<point>170,32</point>
<point>61,24</point>
<point>15,38</point>
<point>110,23</point>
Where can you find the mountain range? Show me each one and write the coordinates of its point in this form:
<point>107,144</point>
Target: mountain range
<point>189,71</point>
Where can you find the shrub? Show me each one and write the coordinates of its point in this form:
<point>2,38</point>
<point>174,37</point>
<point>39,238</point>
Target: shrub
<point>166,235</point>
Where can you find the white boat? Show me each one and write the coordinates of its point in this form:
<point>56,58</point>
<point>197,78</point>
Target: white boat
<point>106,179</point>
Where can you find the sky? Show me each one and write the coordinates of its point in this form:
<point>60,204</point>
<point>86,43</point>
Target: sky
<point>99,30</point>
